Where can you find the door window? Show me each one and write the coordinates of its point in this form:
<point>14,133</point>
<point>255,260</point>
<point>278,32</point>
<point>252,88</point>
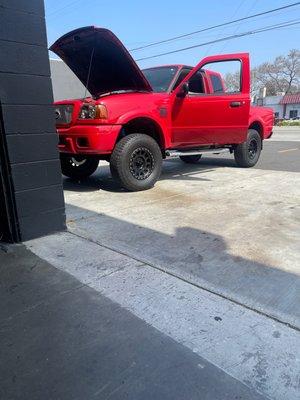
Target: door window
<point>221,77</point>
<point>217,83</point>
<point>183,73</point>
<point>196,84</point>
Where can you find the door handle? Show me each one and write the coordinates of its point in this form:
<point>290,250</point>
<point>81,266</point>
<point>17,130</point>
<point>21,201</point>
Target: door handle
<point>235,104</point>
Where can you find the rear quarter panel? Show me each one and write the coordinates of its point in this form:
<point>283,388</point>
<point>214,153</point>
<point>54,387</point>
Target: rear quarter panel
<point>265,116</point>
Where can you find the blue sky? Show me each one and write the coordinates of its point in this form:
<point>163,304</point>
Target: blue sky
<point>139,22</point>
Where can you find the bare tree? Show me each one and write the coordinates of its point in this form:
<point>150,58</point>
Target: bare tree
<point>232,82</point>
<point>281,75</point>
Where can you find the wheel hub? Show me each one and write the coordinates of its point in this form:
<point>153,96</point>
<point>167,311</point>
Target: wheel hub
<point>141,163</point>
<point>252,149</point>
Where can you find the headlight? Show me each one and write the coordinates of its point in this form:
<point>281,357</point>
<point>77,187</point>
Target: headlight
<point>90,111</point>
<point>87,112</point>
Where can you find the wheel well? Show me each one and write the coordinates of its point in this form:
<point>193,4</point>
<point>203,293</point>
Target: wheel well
<point>146,126</point>
<point>258,127</point>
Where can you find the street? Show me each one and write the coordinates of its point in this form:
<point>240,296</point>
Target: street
<point>280,153</point>
<point>209,257</point>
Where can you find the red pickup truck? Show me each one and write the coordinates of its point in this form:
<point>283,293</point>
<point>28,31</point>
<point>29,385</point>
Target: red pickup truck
<point>135,118</point>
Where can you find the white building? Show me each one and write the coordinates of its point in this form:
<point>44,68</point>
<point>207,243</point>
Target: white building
<point>284,106</point>
<point>291,105</point>
<point>274,103</point>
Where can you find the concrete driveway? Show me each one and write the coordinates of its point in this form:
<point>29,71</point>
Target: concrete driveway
<point>232,231</point>
<point>209,257</point>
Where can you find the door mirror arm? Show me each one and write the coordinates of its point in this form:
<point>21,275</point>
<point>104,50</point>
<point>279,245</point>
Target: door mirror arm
<point>183,90</point>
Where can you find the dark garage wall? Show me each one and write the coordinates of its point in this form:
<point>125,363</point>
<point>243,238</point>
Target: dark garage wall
<point>4,225</point>
<point>28,119</point>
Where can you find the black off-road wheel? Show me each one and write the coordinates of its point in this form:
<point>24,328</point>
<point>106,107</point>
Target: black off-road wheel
<point>191,159</point>
<point>136,162</point>
<point>247,154</point>
<point>78,167</point>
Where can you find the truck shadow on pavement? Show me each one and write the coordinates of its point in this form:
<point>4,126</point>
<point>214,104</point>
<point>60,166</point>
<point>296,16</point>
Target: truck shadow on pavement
<point>197,256</point>
<point>172,169</point>
<point>65,339</point>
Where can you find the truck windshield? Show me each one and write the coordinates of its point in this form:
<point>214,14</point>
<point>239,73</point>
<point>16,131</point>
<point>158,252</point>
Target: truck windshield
<point>160,78</point>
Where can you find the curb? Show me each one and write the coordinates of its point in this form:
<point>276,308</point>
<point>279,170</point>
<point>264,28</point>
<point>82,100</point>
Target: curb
<point>287,128</point>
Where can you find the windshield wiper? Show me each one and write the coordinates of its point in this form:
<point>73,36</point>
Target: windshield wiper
<point>122,92</point>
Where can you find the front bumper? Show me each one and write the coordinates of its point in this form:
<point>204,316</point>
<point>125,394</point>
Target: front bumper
<point>88,139</point>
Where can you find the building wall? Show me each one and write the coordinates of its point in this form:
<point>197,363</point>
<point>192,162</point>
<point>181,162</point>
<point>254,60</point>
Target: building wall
<point>292,107</point>
<point>28,118</point>
<point>277,108</point>
<point>65,84</point>
<point>5,233</point>
<point>273,102</point>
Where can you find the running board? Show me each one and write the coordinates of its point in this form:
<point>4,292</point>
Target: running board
<point>177,153</point>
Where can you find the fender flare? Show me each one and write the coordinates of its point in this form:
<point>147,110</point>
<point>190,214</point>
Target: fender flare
<point>257,121</point>
<point>159,123</point>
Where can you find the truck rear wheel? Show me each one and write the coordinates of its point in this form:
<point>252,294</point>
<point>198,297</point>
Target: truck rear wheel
<point>78,167</point>
<point>136,162</point>
<point>191,159</point>
<point>247,154</point>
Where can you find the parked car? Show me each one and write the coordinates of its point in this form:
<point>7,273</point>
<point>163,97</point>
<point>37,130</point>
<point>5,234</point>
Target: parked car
<point>136,119</point>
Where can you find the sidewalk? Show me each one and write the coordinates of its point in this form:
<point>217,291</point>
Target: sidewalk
<point>255,349</point>
<point>61,339</point>
<point>285,133</point>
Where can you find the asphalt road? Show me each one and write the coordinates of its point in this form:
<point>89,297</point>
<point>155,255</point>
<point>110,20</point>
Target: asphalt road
<point>280,153</point>
<point>275,156</point>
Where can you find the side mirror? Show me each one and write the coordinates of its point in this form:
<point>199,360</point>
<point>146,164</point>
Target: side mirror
<point>183,91</point>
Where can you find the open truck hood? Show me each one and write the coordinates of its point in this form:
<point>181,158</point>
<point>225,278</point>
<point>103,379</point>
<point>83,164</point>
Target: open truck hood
<point>100,61</point>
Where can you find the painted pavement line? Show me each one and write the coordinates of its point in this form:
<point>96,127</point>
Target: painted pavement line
<point>287,150</point>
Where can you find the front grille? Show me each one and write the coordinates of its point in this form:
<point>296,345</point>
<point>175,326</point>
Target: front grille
<point>62,140</point>
<point>63,113</point>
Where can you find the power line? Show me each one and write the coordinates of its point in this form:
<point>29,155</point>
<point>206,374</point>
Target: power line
<point>216,26</point>
<point>259,30</point>
<point>58,10</point>
<point>222,30</point>
<point>239,25</point>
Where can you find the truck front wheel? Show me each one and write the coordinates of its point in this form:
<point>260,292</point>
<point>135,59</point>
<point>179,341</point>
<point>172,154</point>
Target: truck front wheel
<point>136,162</point>
<point>247,154</point>
<point>78,167</point>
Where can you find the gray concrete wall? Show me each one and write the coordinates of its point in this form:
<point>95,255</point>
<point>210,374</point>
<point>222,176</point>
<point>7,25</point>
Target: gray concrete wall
<point>65,84</point>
